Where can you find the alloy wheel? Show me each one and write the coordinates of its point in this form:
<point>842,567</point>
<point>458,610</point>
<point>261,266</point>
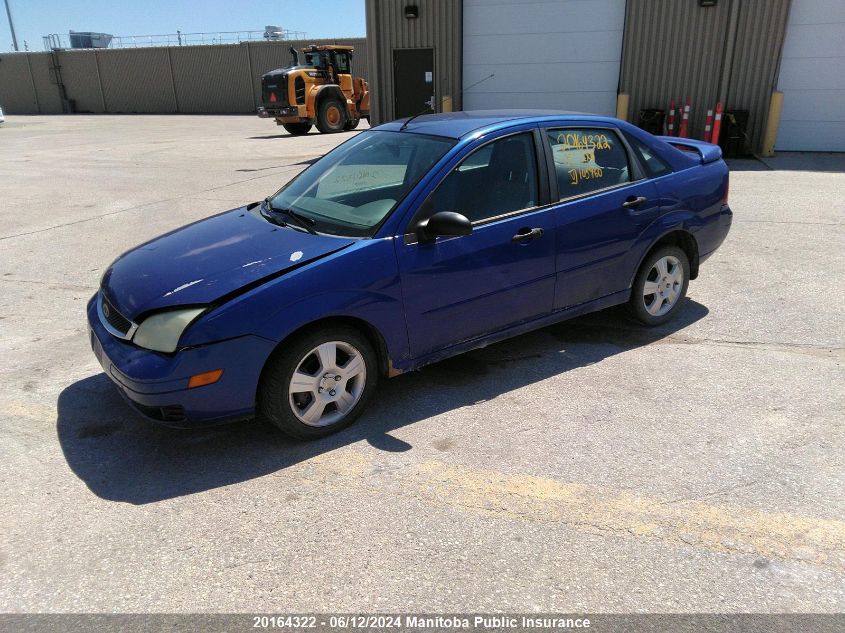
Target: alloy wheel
<point>327,383</point>
<point>663,285</point>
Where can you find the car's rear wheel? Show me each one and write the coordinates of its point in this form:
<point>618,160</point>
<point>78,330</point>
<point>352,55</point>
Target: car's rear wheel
<point>297,129</point>
<point>660,286</point>
<point>331,116</point>
<point>319,383</point>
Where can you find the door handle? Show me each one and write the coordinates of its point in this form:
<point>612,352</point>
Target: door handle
<point>632,203</point>
<point>526,235</point>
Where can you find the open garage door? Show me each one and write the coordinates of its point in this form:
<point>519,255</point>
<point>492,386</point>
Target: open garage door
<point>812,78</point>
<point>563,54</point>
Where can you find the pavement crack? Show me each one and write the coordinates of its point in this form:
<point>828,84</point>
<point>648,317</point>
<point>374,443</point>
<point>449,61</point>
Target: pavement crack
<point>137,206</point>
<point>50,284</point>
<point>715,493</point>
<point>782,345</point>
<point>743,220</point>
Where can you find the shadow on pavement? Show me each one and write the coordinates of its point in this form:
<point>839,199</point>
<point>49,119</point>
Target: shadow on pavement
<point>831,162</point>
<point>264,137</point>
<point>122,457</point>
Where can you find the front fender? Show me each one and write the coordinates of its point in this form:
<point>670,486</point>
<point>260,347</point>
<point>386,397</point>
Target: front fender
<point>382,312</point>
<point>361,281</point>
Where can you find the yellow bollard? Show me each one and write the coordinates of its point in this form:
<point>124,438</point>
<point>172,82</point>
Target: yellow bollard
<point>622,100</point>
<point>446,103</point>
<point>772,123</point>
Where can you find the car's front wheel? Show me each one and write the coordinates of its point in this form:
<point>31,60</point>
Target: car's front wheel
<point>660,286</point>
<point>319,383</point>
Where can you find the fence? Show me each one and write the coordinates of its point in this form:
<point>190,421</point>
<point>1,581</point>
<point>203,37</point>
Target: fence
<point>206,79</point>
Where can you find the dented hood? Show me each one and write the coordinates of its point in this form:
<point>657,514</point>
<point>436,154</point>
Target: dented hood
<point>208,260</point>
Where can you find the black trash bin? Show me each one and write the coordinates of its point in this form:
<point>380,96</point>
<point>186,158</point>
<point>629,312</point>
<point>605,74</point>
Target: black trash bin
<point>733,138</point>
<point>651,120</point>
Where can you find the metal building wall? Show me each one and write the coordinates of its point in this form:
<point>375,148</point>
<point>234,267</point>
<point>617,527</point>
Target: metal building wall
<point>17,91</point>
<point>80,74</point>
<point>41,68</point>
<point>761,32</point>
<point>191,79</point>
<point>212,76</point>
<point>730,52</point>
<point>439,26</point>
<point>136,80</point>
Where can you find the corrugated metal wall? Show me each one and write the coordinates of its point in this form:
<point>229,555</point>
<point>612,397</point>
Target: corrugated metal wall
<point>17,91</point>
<point>191,79</point>
<point>439,26</point>
<point>135,80</point>
<point>216,75</point>
<point>82,73</point>
<point>45,84</point>
<point>754,73</point>
<point>675,49</point>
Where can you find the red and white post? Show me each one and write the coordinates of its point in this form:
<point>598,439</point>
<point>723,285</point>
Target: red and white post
<point>708,125</point>
<point>684,131</point>
<point>717,124</point>
<point>670,122</point>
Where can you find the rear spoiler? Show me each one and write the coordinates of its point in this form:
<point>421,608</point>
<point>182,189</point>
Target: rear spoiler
<point>708,151</point>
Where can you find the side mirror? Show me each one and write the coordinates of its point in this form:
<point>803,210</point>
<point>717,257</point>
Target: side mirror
<point>443,224</point>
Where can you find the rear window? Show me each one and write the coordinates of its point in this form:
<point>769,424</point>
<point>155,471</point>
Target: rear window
<point>653,165</point>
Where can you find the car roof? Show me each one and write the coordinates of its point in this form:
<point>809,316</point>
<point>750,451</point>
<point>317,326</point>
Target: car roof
<point>459,124</point>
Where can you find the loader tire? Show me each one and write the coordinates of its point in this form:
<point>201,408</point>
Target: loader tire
<point>297,129</point>
<point>331,117</point>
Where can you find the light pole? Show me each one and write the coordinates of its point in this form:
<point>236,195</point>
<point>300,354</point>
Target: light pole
<point>11,26</point>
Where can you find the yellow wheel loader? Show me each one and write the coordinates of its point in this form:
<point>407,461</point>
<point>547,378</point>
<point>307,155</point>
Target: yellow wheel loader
<point>319,90</point>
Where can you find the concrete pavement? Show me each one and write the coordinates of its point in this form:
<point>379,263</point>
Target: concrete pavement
<point>593,465</point>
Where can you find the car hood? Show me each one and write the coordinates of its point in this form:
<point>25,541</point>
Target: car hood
<point>204,262</point>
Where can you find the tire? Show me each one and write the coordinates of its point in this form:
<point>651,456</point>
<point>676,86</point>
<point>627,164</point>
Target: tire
<point>351,124</point>
<point>331,116</point>
<point>297,129</point>
<point>666,271</point>
<point>292,405</point>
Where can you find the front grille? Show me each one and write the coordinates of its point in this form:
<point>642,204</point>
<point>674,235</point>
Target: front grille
<point>168,413</point>
<point>299,90</point>
<point>275,85</point>
<point>114,318</point>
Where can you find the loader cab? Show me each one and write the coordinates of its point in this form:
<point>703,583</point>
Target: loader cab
<point>331,60</point>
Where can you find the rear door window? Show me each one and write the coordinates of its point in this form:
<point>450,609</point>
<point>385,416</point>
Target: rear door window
<point>587,159</point>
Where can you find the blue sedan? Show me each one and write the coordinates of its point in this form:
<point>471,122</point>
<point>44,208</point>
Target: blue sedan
<point>407,244</point>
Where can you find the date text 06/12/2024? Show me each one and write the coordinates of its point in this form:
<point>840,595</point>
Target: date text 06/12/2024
<point>421,622</point>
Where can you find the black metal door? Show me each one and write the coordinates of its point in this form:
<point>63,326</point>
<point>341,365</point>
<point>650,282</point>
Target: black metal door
<point>413,81</point>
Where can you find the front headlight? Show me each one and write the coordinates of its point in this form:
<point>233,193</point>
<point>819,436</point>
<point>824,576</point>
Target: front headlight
<point>161,332</point>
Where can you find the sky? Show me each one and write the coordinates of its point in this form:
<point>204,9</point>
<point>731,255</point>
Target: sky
<point>318,18</point>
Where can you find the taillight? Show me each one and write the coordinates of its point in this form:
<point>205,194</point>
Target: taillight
<point>273,97</point>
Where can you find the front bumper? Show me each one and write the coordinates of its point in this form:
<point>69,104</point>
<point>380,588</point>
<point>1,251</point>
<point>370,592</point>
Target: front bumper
<point>156,384</point>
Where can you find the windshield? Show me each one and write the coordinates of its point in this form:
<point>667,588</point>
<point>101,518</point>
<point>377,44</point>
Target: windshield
<point>355,186</point>
<point>316,60</point>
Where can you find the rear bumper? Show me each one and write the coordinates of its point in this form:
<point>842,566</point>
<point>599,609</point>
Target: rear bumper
<point>156,384</point>
<point>712,239</point>
<point>269,112</point>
